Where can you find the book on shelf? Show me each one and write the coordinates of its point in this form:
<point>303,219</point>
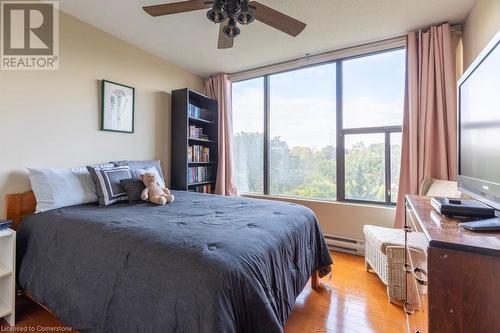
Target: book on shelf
<point>199,174</point>
<point>197,133</point>
<point>199,113</point>
<point>202,188</point>
<point>205,154</point>
<point>198,154</point>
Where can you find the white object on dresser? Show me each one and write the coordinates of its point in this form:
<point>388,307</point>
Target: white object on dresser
<point>7,275</point>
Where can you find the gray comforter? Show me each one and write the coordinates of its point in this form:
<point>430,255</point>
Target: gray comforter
<point>204,263</point>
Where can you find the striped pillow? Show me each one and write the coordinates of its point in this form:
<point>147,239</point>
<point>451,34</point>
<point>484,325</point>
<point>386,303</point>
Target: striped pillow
<point>107,183</point>
<point>137,173</point>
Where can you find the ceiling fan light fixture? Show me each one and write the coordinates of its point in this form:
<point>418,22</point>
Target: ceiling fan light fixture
<point>246,14</point>
<point>231,29</point>
<point>245,17</point>
<point>217,13</point>
<point>216,16</point>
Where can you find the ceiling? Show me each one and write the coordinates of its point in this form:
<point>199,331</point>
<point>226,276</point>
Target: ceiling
<point>190,39</point>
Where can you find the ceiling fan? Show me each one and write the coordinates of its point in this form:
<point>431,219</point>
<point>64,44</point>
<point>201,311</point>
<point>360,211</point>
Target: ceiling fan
<point>229,13</point>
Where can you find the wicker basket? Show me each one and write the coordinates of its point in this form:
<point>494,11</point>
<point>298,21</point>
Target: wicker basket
<point>388,265</point>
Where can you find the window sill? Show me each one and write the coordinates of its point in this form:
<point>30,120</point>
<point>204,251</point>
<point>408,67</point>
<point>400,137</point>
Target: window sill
<point>319,201</point>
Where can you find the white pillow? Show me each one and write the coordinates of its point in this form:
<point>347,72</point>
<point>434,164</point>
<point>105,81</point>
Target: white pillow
<point>136,173</point>
<point>56,188</point>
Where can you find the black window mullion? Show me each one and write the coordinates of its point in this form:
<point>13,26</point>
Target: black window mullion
<point>340,152</point>
<point>267,139</point>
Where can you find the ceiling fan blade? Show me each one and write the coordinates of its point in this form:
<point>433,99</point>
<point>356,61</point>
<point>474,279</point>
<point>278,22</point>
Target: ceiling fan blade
<point>277,20</point>
<point>176,7</point>
<point>225,42</point>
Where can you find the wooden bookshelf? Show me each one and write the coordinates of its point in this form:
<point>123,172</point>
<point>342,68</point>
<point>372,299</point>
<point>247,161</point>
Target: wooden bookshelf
<point>182,139</point>
<point>198,120</point>
<point>201,163</point>
<point>8,276</point>
<point>201,140</point>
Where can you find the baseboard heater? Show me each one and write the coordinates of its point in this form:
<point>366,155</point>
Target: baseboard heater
<point>348,245</point>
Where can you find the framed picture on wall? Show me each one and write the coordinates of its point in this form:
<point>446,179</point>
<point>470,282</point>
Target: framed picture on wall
<point>117,110</point>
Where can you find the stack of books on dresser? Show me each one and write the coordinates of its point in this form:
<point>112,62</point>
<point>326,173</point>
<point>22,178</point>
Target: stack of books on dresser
<point>4,224</point>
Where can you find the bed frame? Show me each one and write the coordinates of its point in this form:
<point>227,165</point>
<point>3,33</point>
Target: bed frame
<point>18,205</point>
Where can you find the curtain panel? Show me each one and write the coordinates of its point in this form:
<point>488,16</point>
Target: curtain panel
<point>429,147</point>
<point>219,88</point>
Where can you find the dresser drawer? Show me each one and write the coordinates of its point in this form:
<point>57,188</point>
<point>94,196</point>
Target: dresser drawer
<point>415,237</point>
<point>416,247</point>
<point>416,305</point>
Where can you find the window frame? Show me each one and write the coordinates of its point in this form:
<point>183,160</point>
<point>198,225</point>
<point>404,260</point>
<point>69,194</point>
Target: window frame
<point>387,131</point>
<point>341,132</point>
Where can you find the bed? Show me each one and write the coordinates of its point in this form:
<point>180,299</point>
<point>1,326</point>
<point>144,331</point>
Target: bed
<point>204,263</point>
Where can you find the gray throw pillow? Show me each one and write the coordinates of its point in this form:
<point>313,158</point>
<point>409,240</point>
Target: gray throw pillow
<point>134,189</point>
<point>142,165</point>
<point>107,183</point>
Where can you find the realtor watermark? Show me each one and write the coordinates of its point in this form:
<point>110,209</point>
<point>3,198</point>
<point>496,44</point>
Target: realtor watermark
<point>29,35</point>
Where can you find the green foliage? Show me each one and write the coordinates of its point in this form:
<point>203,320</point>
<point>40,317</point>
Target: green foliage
<point>303,172</point>
<point>364,172</point>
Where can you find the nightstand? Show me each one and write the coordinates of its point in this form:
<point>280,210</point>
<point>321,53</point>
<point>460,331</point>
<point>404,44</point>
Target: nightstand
<point>7,275</point>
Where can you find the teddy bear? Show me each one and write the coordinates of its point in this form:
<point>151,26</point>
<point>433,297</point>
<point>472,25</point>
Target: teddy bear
<point>154,192</point>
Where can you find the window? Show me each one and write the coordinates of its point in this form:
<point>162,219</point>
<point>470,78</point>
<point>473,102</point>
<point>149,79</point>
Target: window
<point>373,88</point>
<point>302,133</point>
<point>329,131</point>
<point>396,140</point>
<point>364,167</point>
<point>248,138</point>
<point>372,114</point>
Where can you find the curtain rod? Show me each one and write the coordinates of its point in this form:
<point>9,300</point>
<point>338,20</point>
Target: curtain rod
<point>455,28</point>
<point>345,52</point>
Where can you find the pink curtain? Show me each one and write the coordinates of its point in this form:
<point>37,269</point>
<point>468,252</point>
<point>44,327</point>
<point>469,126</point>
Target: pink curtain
<point>429,147</point>
<point>219,87</point>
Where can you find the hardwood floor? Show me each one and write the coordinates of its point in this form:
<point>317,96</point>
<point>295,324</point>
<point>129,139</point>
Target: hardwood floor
<point>350,300</point>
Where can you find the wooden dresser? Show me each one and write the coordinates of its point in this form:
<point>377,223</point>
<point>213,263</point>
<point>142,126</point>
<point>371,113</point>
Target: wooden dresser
<point>453,275</point>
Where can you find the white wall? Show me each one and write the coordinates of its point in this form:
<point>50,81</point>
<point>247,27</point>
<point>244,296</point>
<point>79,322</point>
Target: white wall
<point>482,23</point>
<point>51,118</point>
